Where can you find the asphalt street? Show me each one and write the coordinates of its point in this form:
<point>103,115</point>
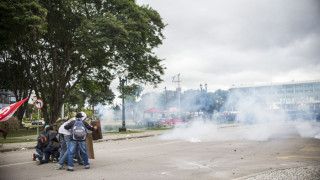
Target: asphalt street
<point>152,157</point>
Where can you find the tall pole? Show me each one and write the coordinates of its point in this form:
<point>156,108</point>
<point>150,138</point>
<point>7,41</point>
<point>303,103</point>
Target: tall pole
<point>62,111</point>
<point>38,123</point>
<point>165,89</point>
<point>179,91</point>
<point>123,79</point>
<point>123,108</point>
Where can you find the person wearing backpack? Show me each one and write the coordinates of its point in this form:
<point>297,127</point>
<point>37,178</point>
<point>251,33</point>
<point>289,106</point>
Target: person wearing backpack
<point>51,148</point>
<point>78,135</point>
<point>64,139</point>
<point>42,142</point>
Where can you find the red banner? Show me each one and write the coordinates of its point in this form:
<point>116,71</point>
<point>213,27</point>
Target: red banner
<point>8,111</point>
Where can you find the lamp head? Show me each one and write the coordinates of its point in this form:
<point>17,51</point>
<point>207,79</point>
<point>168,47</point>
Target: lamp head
<point>125,73</point>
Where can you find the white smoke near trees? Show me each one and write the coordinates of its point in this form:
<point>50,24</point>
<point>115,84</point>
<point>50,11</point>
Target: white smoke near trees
<point>258,119</point>
<point>111,119</point>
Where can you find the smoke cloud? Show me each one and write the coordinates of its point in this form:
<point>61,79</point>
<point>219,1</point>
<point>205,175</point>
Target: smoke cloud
<point>257,119</point>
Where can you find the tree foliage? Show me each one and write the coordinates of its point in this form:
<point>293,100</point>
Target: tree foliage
<point>20,23</point>
<point>89,42</point>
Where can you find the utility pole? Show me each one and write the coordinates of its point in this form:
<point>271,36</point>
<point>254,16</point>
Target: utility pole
<point>178,90</point>
<point>166,106</point>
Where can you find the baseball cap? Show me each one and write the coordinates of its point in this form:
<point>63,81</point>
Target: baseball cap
<point>81,114</point>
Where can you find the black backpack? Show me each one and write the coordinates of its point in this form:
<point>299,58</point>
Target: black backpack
<point>43,140</point>
<point>78,131</point>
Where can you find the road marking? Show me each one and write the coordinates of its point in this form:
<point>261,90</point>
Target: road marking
<point>304,157</point>
<point>7,165</point>
<point>308,148</point>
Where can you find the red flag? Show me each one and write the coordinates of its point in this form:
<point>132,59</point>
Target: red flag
<point>8,111</point>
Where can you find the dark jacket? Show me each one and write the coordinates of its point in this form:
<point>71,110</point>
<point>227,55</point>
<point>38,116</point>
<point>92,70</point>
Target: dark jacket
<point>52,137</point>
<point>69,125</point>
<point>39,145</point>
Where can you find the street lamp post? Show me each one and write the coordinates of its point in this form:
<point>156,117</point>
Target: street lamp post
<point>123,78</point>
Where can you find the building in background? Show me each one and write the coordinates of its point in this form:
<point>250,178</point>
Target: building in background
<point>6,98</point>
<point>293,97</point>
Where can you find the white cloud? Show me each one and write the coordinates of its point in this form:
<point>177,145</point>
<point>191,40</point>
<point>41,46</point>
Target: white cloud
<point>231,42</point>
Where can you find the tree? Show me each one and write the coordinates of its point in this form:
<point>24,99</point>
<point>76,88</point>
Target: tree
<point>96,92</point>
<point>21,21</point>
<point>76,100</point>
<point>94,40</point>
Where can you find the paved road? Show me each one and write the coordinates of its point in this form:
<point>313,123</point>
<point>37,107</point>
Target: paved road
<point>155,158</point>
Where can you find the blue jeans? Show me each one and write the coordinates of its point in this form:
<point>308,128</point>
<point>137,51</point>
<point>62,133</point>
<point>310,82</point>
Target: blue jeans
<point>39,155</point>
<point>72,149</point>
<point>65,154</point>
<point>63,143</point>
<point>47,151</point>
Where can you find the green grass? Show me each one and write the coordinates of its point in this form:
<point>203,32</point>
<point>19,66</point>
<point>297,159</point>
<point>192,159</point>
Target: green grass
<point>128,132</point>
<point>159,128</point>
<point>23,132</point>
<point>16,137</point>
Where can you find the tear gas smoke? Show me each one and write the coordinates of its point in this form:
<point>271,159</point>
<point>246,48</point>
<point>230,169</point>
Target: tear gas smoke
<point>112,119</point>
<point>106,116</point>
<point>257,119</point>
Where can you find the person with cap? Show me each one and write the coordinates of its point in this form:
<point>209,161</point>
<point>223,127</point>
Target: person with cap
<point>80,117</point>
<point>64,139</point>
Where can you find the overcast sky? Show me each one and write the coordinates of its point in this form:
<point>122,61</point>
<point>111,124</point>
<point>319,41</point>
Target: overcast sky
<point>233,42</point>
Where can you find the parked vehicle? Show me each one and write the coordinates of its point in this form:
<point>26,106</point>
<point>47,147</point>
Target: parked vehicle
<point>38,122</point>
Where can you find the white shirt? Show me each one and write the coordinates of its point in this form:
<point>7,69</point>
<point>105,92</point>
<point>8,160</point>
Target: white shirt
<point>62,130</point>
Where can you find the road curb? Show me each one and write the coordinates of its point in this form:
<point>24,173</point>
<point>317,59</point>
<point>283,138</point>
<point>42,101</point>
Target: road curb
<point>95,141</point>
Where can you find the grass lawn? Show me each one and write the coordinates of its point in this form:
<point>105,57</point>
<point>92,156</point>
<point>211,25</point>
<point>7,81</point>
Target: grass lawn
<point>128,132</point>
<point>17,136</point>
<point>23,132</point>
<point>159,128</point>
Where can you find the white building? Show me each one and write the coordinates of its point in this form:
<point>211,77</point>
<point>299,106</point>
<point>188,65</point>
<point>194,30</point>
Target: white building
<point>291,96</point>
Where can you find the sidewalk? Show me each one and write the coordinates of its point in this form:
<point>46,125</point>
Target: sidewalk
<point>106,137</point>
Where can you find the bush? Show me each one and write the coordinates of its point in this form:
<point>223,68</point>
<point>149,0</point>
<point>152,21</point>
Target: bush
<point>58,123</point>
<point>11,125</point>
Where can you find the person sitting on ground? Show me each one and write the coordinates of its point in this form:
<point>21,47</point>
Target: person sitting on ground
<point>42,142</point>
<point>78,134</point>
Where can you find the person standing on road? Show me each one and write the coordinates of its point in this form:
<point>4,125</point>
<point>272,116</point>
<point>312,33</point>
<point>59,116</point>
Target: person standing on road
<point>64,139</point>
<point>77,138</point>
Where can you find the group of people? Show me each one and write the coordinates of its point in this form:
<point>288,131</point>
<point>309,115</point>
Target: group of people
<point>64,144</point>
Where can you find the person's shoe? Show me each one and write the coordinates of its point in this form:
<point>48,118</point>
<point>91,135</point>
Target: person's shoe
<point>87,167</point>
<point>69,169</point>
<point>54,160</point>
<point>34,157</point>
<point>38,163</point>
<point>81,163</point>
<point>58,166</point>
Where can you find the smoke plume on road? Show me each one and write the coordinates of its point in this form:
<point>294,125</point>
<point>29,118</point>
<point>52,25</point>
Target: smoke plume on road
<point>257,118</point>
